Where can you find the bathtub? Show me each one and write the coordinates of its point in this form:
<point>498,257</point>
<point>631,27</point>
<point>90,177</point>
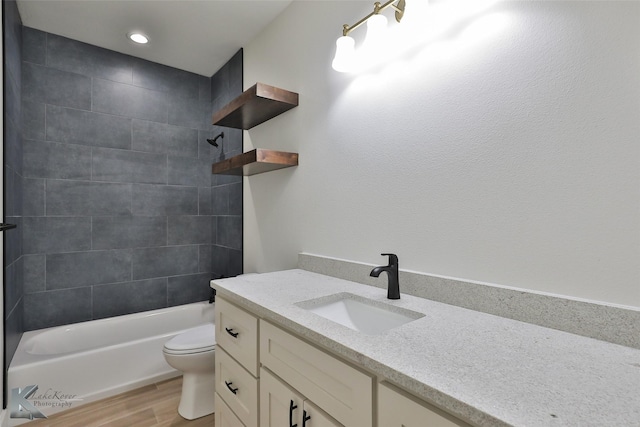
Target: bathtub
<point>83,362</point>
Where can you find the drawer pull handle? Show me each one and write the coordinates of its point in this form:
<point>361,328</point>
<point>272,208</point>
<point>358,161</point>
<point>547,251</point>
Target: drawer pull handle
<point>230,332</point>
<point>305,418</point>
<point>292,406</point>
<point>231,389</point>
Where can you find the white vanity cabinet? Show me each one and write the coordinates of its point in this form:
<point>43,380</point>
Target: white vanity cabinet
<point>398,409</point>
<point>282,406</point>
<point>268,377</point>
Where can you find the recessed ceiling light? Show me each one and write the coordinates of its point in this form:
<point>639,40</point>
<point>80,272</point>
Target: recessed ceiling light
<point>138,37</point>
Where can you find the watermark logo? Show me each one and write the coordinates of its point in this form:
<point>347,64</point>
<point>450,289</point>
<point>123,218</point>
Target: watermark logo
<point>20,407</point>
<point>24,403</point>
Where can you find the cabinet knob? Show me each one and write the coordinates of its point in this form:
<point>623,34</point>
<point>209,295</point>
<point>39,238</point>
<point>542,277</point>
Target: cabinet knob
<point>305,418</point>
<point>230,332</point>
<point>292,406</point>
<point>231,389</point>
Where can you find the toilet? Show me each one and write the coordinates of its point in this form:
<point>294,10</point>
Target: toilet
<point>193,353</point>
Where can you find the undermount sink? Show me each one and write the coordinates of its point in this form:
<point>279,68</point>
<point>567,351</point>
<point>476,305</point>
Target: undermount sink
<point>360,314</point>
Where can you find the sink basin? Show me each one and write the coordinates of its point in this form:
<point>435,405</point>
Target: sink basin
<point>360,314</point>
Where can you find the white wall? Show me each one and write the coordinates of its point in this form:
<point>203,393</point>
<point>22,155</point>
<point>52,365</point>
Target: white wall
<point>510,156</point>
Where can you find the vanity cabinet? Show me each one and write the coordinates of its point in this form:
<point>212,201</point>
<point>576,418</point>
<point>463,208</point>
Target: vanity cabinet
<point>268,377</point>
<point>282,406</point>
<point>398,409</point>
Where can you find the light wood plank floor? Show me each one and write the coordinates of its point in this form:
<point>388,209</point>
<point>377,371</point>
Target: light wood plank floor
<point>155,405</point>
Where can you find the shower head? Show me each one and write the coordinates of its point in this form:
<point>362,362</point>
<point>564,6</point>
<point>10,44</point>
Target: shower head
<point>213,141</point>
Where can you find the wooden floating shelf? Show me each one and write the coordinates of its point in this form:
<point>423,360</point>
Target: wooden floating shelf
<point>255,162</point>
<point>256,105</point>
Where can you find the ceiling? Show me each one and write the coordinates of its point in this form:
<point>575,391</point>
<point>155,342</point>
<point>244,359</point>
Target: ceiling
<point>198,36</point>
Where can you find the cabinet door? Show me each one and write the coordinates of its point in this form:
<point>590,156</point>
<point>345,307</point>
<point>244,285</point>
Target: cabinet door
<point>316,417</point>
<point>280,405</point>
<point>397,409</point>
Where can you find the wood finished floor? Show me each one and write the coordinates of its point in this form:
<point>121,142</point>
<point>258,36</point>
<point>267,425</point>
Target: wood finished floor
<point>155,405</point>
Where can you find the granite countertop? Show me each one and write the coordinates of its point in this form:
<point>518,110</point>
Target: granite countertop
<point>484,369</point>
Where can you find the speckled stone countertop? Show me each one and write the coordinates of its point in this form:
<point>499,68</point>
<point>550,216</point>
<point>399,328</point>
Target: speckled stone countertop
<point>484,369</point>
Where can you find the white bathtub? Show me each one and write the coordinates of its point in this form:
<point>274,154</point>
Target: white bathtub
<point>83,362</point>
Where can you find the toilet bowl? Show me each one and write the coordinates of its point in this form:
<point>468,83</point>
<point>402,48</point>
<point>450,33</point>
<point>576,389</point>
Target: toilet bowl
<point>193,353</point>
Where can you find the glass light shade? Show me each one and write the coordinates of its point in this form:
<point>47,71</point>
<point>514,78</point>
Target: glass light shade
<point>374,47</point>
<point>345,53</point>
<point>376,28</point>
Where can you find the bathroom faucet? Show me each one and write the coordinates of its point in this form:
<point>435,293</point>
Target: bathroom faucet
<point>393,292</point>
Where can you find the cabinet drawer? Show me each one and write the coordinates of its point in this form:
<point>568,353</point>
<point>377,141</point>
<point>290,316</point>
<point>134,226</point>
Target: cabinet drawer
<point>237,333</point>
<point>237,388</point>
<point>224,415</point>
<point>399,409</point>
<point>342,391</point>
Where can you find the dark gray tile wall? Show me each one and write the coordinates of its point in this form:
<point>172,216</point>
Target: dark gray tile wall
<point>139,295</point>
<point>13,181</point>
<point>226,190</point>
<point>121,212</point>
<point>85,127</point>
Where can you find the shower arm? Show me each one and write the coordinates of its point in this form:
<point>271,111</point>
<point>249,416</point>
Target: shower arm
<point>213,141</point>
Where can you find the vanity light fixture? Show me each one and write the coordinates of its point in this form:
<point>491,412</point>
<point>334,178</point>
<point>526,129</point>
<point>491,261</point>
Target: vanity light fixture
<point>376,25</point>
<point>138,37</point>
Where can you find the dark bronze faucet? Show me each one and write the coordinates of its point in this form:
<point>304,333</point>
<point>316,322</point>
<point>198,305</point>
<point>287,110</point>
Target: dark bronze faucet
<point>393,291</point>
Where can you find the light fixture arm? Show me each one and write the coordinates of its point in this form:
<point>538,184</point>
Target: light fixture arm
<point>377,8</point>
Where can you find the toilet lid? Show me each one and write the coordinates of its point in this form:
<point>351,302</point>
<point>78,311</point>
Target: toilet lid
<point>198,338</point>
